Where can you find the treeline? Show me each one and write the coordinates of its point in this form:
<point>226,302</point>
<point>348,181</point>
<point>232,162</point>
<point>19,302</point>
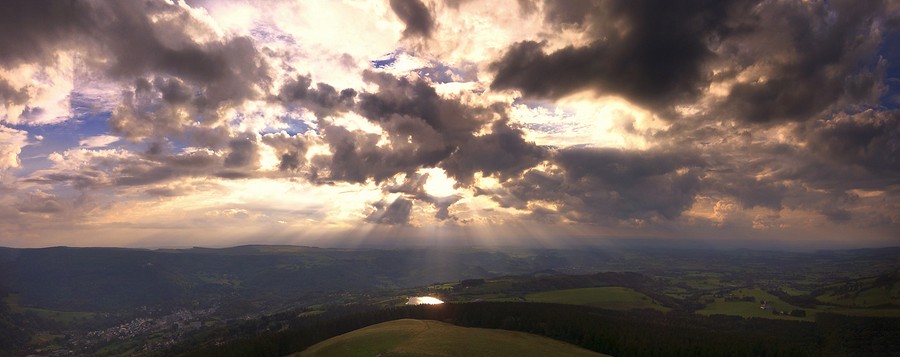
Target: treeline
<point>619,333</point>
<point>15,329</point>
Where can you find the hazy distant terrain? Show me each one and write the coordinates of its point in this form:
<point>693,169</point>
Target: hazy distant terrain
<point>74,279</point>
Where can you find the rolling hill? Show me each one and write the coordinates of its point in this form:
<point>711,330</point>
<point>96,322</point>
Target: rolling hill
<point>408,337</point>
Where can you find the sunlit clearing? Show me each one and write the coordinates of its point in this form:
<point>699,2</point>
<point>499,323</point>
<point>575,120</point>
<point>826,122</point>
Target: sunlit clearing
<point>616,122</point>
<point>438,184</point>
<point>423,300</point>
<point>584,119</point>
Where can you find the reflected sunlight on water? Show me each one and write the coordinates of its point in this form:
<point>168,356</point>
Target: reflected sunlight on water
<point>427,300</point>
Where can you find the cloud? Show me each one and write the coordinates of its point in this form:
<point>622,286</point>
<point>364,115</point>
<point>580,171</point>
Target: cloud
<point>11,143</point>
<point>397,213</point>
<point>37,94</point>
<point>40,202</point>
<point>415,15</point>
<point>291,150</point>
<point>130,40</point>
<point>32,30</point>
<point>870,139</point>
<point>503,153</point>
<point>416,99</point>
<point>323,100</point>
<point>98,141</point>
<point>168,107</point>
<point>10,95</point>
<point>596,185</point>
<point>648,116</point>
<point>421,129</point>
<point>753,61</point>
<point>799,59</point>
<point>86,169</point>
<point>242,153</point>
<point>414,187</point>
<point>651,52</point>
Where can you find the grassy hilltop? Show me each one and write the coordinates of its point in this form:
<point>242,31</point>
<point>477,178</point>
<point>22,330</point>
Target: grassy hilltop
<point>408,337</point>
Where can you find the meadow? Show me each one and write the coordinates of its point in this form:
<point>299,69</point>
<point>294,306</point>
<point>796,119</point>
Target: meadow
<point>409,337</point>
<point>610,297</point>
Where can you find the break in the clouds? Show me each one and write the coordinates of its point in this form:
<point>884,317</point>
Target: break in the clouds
<point>173,123</point>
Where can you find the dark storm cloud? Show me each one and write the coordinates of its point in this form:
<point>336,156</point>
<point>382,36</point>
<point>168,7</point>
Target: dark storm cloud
<point>357,157</point>
<point>169,107</point>
<point>227,70</point>
<point>595,185</point>
<point>133,40</point>
<point>10,95</point>
<point>397,213</point>
<point>821,176</point>
<point>813,56</point>
<point>324,100</point>
<point>756,165</point>
<point>173,90</point>
<point>651,52</point>
<point>415,15</point>
<point>242,153</point>
<point>145,113</point>
<point>803,58</point>
<point>503,153</point>
<point>870,139</point>
<point>422,129</point>
<point>401,97</point>
<point>621,167</point>
<point>291,150</point>
<point>30,30</point>
<point>123,34</point>
<point>749,191</point>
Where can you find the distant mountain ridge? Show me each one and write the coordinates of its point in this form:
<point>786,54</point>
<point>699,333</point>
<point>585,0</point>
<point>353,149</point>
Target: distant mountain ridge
<point>102,279</point>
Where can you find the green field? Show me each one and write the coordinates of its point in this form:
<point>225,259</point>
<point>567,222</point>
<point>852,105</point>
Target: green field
<point>432,338</point>
<point>12,301</point>
<point>752,309</point>
<point>875,296</point>
<point>611,297</point>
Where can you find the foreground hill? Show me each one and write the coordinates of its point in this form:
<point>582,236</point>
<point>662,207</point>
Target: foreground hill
<point>408,337</point>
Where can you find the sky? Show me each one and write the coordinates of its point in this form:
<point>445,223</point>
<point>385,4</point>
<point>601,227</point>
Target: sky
<point>443,122</point>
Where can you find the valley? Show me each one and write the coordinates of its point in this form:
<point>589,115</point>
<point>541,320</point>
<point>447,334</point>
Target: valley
<point>74,301</point>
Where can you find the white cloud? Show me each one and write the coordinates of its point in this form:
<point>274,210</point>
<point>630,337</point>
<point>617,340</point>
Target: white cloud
<point>11,143</point>
<point>587,121</point>
<point>99,141</point>
<point>48,89</point>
